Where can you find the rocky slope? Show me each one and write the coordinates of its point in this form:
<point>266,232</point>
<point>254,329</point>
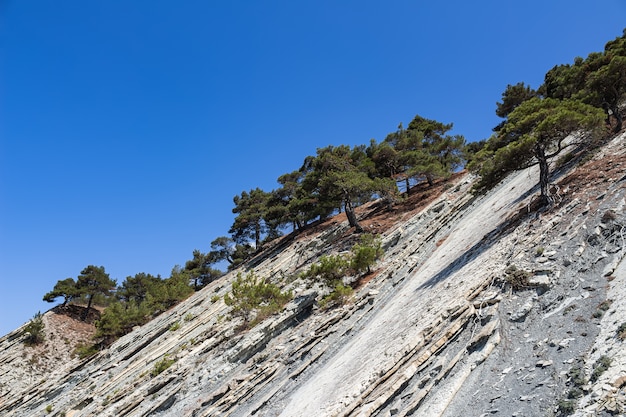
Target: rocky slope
<point>437,330</point>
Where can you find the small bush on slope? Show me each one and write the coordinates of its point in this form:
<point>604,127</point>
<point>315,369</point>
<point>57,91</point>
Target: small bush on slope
<point>34,330</point>
<point>250,294</point>
<point>366,253</point>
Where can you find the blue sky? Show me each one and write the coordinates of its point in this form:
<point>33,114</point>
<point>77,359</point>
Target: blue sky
<point>126,128</point>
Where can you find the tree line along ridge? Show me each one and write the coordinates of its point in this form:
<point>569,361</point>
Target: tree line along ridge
<point>576,108</point>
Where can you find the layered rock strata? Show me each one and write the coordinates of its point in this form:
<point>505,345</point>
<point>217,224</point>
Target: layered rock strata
<point>437,331</point>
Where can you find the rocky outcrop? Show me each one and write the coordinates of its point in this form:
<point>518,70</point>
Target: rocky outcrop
<point>437,331</point>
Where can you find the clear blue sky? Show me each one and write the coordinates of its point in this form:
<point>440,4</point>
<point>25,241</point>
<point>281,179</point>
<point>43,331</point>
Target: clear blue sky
<point>126,127</point>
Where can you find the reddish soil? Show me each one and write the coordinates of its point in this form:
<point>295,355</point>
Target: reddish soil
<point>611,168</point>
<point>376,218</point>
<point>65,328</point>
<point>64,331</point>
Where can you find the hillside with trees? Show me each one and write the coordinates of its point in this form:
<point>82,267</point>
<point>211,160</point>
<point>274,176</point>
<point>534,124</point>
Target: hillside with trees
<point>582,99</point>
<point>321,258</point>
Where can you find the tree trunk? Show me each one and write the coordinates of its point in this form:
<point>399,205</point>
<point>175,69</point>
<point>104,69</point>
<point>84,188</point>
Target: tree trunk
<point>352,216</point>
<point>408,186</point>
<point>257,236</point>
<point>84,318</point>
<point>429,178</point>
<point>544,175</point>
<point>618,120</point>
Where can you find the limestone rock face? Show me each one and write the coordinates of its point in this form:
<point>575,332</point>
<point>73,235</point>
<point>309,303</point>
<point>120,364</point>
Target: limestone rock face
<point>436,331</point>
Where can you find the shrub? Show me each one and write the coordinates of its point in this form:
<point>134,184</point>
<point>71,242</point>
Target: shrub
<point>518,279</point>
<point>566,407</point>
<point>34,330</point>
<point>84,351</point>
<point>162,365</point>
<point>577,376</point>
<point>329,269</point>
<point>366,253</point>
<point>174,327</point>
<point>119,319</point>
<point>249,294</point>
<point>601,365</point>
<point>621,331</point>
<point>49,408</point>
<point>574,393</point>
<point>339,296</point>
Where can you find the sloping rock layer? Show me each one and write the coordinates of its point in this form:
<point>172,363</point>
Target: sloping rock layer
<point>438,330</point>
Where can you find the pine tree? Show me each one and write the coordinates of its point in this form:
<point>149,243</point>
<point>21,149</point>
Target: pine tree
<point>65,288</point>
<point>93,280</point>
<point>537,129</point>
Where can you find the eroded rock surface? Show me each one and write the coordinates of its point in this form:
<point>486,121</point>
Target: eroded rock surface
<point>436,331</point>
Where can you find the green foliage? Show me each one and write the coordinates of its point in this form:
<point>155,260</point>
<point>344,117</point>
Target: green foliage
<point>170,291</point>
<point>174,327</point>
<point>224,248</point>
<point>443,150</point>
<point>566,407</point>
<point>140,298</point>
<point>574,392</point>
<point>93,280</point>
<point>34,330</point>
<point>573,97</point>
<point>577,376</point>
<point>423,151</point>
<point>386,158</point>
<point>249,224</point>
<point>342,177</point>
<point>93,284</point>
<point>601,365</point>
<point>241,254</point>
<point>221,249</point>
<point>49,408</point>
<point>199,269</point>
<point>366,253</point>
<point>621,331</point>
<point>290,204</point>
<point>86,350</point>
<point>576,381</point>
<point>339,296</point>
<point>534,133</point>
<point>119,318</point>
<point>329,269</point>
<point>250,294</point>
<point>162,365</point>
<point>512,97</point>
<point>138,287</point>
<point>470,152</point>
<point>65,288</point>
<point>598,80</point>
